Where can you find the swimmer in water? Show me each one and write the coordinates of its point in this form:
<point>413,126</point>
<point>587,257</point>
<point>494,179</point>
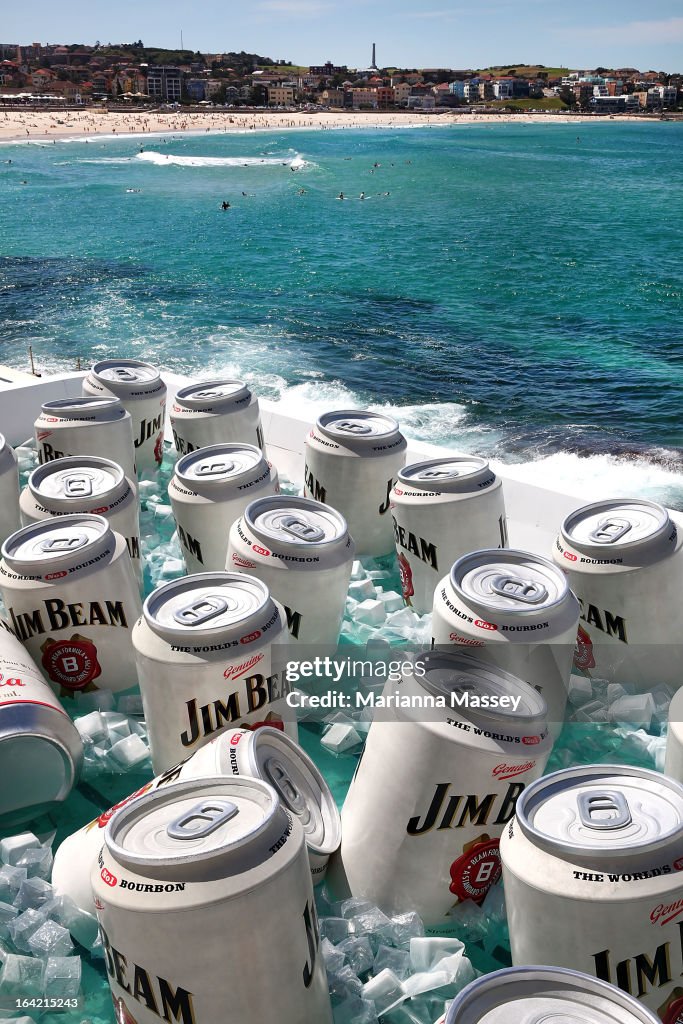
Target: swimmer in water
<point>225,206</point>
<point>341,195</point>
<point>362,195</point>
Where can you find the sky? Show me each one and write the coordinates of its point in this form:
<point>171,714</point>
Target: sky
<point>408,33</point>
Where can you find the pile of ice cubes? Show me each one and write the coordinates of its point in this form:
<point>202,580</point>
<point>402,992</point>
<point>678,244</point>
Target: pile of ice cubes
<point>115,736</point>
<point>374,602</point>
<point>38,926</point>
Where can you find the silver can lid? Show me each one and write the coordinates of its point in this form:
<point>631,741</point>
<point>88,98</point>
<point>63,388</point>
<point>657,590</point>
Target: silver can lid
<point>218,464</point>
<point>509,582</point>
<point>79,480</point>
<point>618,527</point>
<point>123,375</point>
<point>450,475</point>
<point>89,408</point>
<point>207,607</point>
<point>545,995</point>
<point>211,393</point>
<point>295,522</point>
<point>282,763</point>
<point>602,811</point>
<point>464,676</point>
<point>46,549</point>
<point>357,426</point>
<point>196,827</point>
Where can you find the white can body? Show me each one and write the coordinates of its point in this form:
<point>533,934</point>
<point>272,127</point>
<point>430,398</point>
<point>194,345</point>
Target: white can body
<point>40,749</point>
<point>352,463</point>
<point>9,491</point>
<point>167,949</point>
<point>302,551</point>
<point>197,681</point>
<point>673,763</point>
<point>433,792</point>
<point>441,510</point>
<point>143,393</point>
<point>209,490</point>
<point>623,580</point>
<point>533,640</point>
<point>59,488</point>
<point>215,412</point>
<point>86,426</point>
<point>73,607</point>
<point>264,753</point>
<point>611,913</point>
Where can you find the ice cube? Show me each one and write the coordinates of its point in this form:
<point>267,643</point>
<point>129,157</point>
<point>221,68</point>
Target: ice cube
<point>384,990</point>
<point>94,700</point>
<point>130,705</point>
<point>163,511</point>
<point>22,928</point>
<point>336,929</point>
<point>396,960</point>
<point>334,960</point>
<point>406,927</point>
<point>62,977</point>
<point>392,601</point>
<point>425,952</point>
<point>401,620</point>
<point>343,984</point>
<point>355,905</point>
<point>425,981</point>
<point>358,953</point>
<point>614,692</point>
<point>340,738</point>
<point>33,893</point>
<point>13,847</point>
<point>10,882</point>
<point>51,939</point>
<point>92,727</point>
<point>130,751</point>
<point>82,926</point>
<point>637,709</point>
<point>22,976</point>
<point>357,571</point>
<point>37,861</point>
<point>361,590</point>
<point>580,690</point>
<point>354,1010</point>
<point>8,914</point>
<point>370,612</point>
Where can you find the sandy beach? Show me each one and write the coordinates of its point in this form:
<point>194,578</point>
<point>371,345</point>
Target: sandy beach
<point>23,125</point>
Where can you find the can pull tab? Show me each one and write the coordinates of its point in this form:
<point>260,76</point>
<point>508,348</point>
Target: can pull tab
<point>201,820</point>
<point>124,373</point>
<point>214,468</point>
<point>200,611</point>
<point>525,591</point>
<point>300,529</point>
<point>208,394</point>
<point>55,545</point>
<point>292,797</point>
<point>353,427</point>
<point>606,810</point>
<point>438,474</point>
<point>610,530</point>
<point>77,486</point>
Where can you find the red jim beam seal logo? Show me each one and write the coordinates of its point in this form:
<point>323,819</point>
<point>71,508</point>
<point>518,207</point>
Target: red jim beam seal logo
<point>159,449</point>
<point>479,867</point>
<point>406,574</point>
<point>583,652</point>
<point>71,663</point>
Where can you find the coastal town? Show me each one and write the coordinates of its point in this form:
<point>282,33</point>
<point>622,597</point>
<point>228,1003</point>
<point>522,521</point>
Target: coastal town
<point>132,75</point>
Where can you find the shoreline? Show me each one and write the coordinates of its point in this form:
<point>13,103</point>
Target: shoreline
<point>61,125</point>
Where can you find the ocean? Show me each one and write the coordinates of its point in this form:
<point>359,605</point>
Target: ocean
<point>513,290</point>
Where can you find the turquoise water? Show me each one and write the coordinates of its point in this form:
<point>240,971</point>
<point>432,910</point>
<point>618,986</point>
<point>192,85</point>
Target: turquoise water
<point>518,292</point>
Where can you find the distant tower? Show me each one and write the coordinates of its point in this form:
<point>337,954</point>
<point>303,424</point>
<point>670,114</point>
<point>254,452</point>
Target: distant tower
<point>373,64</point>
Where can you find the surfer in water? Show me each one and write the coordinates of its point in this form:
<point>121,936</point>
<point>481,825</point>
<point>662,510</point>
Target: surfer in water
<point>341,196</point>
<point>225,205</point>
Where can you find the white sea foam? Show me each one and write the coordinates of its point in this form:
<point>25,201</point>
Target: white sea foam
<point>169,159</point>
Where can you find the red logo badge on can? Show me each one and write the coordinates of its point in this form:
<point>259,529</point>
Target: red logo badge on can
<point>259,550</point>
<point>406,574</point>
<point>54,575</point>
<point>71,663</point>
<point>108,878</point>
<point>159,449</point>
<point>569,556</point>
<point>250,636</point>
<point>583,652</point>
<point>483,624</point>
<point>473,874</point>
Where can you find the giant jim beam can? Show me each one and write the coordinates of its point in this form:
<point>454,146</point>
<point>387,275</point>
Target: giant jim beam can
<point>206,909</point>
<point>352,461</point>
<point>85,484</point>
<point>208,651</point>
<point>69,588</point>
<point>215,412</point>
<point>516,610</point>
<point>40,749</point>
<point>9,491</point>
<point>265,753</point>
<point>544,995</point>
<point>673,763</point>
<point>441,510</point>
<point>445,760</point>
<point>623,561</point>
<point>209,490</point>
<point>593,875</point>
<point>86,426</point>
<point>301,550</point>
<point>143,393</point>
